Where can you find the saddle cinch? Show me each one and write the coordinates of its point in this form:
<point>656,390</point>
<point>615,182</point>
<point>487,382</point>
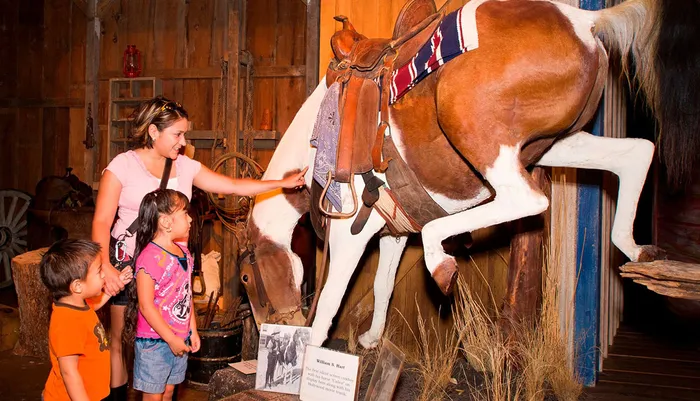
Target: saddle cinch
<point>364,68</point>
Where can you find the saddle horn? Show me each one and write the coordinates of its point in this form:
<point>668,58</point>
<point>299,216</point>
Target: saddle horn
<point>346,22</point>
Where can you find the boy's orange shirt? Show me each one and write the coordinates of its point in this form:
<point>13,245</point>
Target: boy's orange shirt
<point>78,331</point>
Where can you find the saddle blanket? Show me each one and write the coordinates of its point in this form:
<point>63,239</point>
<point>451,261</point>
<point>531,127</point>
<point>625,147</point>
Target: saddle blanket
<point>455,35</point>
<point>325,139</point>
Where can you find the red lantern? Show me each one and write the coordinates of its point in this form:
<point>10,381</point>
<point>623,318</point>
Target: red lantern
<point>132,62</point>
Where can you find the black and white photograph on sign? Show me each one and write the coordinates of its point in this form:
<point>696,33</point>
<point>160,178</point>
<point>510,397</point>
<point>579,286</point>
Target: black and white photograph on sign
<point>386,373</point>
<point>280,357</point>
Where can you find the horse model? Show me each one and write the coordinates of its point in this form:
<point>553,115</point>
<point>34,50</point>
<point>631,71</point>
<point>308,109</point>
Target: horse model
<point>468,132</point>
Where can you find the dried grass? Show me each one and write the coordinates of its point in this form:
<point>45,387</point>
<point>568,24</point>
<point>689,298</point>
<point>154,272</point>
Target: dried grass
<point>435,356</point>
<point>533,362</point>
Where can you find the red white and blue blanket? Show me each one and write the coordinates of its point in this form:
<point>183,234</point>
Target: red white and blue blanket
<point>451,38</point>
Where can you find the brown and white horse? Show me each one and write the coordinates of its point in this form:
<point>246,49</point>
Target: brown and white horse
<point>520,99</point>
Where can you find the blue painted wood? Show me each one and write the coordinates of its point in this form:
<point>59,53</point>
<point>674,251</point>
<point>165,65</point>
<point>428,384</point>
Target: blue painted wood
<point>588,254</point>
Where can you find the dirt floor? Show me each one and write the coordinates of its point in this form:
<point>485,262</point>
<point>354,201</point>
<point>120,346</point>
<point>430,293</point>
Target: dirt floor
<point>23,378</point>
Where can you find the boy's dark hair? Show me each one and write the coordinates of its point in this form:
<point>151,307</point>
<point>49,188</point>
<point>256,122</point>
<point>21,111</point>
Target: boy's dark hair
<point>65,261</point>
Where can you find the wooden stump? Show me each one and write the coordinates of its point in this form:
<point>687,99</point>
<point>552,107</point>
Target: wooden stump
<point>227,382</point>
<point>666,277</point>
<point>34,305</point>
<point>251,338</point>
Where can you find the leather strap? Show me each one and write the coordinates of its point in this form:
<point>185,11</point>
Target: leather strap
<point>163,184</point>
<point>346,140</point>
<point>380,165</point>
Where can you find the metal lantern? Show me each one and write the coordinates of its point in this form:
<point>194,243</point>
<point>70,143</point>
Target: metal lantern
<point>132,62</point>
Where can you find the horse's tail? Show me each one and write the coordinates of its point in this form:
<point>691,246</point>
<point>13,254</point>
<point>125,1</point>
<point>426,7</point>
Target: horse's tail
<point>658,42</point>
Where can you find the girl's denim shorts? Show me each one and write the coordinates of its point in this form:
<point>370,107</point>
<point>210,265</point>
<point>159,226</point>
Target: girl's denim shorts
<point>155,365</point>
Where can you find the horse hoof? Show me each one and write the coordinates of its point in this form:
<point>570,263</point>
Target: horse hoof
<point>650,253</point>
<point>445,275</point>
<point>368,341</point>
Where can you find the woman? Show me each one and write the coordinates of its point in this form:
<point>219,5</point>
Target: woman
<point>160,126</point>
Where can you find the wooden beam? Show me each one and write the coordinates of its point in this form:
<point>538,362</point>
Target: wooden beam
<point>231,284</point>
<point>43,103</point>
<point>272,71</point>
<point>82,5</point>
<point>313,38</point>
<point>103,6</point>
<point>92,98</point>
<point>279,71</point>
<point>172,73</point>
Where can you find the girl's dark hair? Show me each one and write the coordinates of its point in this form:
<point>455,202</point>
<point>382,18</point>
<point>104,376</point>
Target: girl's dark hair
<point>160,201</point>
<point>159,111</point>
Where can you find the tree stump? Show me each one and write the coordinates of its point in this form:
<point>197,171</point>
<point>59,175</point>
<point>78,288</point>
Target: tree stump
<point>34,305</point>
<point>251,338</point>
<point>666,277</point>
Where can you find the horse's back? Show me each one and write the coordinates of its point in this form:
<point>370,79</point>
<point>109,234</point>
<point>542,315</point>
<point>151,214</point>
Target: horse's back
<point>531,76</point>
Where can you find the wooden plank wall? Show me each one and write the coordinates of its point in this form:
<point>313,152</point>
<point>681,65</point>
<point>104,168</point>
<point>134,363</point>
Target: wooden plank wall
<point>41,90</point>
<point>188,38</point>
<point>611,302</point>
<point>414,288</point>
<point>374,19</point>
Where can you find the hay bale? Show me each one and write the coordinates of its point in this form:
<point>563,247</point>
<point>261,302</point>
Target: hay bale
<point>9,327</point>
<point>34,301</point>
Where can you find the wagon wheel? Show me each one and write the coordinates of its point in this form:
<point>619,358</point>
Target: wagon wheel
<point>13,229</point>
<point>244,167</point>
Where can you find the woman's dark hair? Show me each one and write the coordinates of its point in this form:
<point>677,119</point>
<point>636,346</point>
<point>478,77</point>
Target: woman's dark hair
<point>160,201</point>
<point>159,111</point>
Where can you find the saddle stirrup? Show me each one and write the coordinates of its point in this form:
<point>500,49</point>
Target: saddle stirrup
<point>330,212</point>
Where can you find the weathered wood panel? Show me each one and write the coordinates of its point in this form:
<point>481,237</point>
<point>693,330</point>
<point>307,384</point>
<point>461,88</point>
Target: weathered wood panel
<point>374,19</point>
<point>41,76</point>
<point>484,267</point>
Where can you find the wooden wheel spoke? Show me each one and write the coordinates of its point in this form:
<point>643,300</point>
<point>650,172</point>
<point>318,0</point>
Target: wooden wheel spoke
<point>13,230</point>
<point>20,226</point>
<point>21,214</point>
<point>10,213</point>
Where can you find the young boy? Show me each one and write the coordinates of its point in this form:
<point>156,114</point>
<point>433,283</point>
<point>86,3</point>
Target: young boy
<point>78,344</point>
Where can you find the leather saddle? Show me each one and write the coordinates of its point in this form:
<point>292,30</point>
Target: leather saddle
<point>363,66</point>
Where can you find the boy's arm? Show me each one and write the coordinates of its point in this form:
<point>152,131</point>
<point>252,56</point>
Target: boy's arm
<point>71,378</point>
<point>125,276</point>
<point>100,300</point>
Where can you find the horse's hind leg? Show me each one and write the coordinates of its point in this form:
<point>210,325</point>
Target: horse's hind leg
<point>629,159</point>
<point>390,250</point>
<point>517,196</point>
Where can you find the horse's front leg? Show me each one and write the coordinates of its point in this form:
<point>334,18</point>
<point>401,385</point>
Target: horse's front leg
<point>345,253</point>
<point>390,250</point>
<point>517,196</point>
<point>629,159</point>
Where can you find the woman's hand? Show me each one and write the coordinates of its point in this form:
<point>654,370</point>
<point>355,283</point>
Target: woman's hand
<point>195,341</point>
<point>295,180</point>
<point>113,281</point>
<point>178,347</point>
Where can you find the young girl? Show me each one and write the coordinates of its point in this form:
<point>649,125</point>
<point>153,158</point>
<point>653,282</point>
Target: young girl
<point>160,332</point>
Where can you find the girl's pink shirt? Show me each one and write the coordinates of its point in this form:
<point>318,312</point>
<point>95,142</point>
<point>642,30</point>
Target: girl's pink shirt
<point>137,181</point>
<point>172,294</point>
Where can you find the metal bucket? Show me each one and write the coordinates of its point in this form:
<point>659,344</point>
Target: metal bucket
<point>219,348</point>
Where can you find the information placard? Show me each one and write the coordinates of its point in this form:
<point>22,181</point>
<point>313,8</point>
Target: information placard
<point>329,375</point>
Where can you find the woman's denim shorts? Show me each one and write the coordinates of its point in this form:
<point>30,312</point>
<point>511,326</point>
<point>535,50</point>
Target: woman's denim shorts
<point>155,365</point>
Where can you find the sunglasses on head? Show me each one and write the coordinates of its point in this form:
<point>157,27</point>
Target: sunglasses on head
<point>171,106</point>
